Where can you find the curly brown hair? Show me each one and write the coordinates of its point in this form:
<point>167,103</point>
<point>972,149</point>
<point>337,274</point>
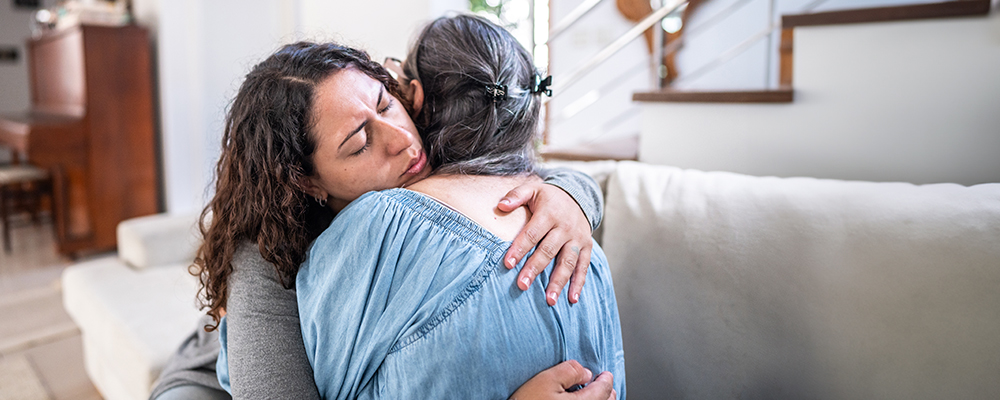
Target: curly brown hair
<point>267,150</point>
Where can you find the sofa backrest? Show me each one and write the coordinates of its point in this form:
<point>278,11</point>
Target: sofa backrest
<point>599,170</point>
<point>732,286</point>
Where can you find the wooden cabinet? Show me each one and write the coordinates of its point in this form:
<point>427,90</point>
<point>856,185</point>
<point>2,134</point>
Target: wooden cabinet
<point>92,125</point>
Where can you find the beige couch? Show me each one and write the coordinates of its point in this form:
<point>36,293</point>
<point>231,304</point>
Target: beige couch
<point>731,286</point>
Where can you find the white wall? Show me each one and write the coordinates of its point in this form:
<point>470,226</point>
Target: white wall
<point>719,26</point>
<point>577,117</point>
<point>204,48</point>
<point>909,101</point>
<point>14,91</point>
<point>14,31</point>
<point>382,27</point>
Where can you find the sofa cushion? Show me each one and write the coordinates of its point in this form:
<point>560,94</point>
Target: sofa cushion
<point>157,240</point>
<point>732,286</point>
<point>131,321</point>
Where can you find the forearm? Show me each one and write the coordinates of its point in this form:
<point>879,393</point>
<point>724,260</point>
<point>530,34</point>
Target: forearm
<point>267,358</point>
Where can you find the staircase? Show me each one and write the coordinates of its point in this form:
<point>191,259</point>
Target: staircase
<point>900,93</point>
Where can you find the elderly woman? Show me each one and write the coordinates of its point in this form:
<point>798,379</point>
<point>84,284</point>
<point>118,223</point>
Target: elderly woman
<point>404,295</point>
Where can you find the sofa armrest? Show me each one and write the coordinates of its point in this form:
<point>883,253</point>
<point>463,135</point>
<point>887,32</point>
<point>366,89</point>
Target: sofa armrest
<point>131,321</point>
<point>158,240</point>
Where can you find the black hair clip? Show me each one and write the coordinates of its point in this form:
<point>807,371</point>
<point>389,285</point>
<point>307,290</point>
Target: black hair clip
<point>498,91</point>
<point>542,85</point>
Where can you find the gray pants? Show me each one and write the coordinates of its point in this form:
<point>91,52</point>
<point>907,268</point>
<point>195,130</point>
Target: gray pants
<point>190,372</point>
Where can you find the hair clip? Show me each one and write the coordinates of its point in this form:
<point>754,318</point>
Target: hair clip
<point>542,85</point>
<point>498,91</point>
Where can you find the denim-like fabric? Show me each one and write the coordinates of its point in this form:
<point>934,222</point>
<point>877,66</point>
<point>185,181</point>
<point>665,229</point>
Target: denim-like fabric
<point>222,363</point>
<point>402,297</point>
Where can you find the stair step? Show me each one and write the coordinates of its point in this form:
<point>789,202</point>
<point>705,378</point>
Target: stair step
<point>619,149</point>
<point>783,95</point>
<point>957,8</point>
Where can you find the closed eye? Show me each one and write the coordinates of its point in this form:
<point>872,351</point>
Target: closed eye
<point>388,105</point>
<point>368,139</point>
<point>368,142</point>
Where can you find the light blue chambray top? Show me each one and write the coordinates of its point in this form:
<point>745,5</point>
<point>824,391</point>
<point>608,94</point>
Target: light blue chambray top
<point>403,297</point>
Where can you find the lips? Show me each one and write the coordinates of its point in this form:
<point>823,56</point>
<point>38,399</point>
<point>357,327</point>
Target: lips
<point>417,165</point>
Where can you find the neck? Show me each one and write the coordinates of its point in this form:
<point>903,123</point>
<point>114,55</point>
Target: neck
<point>477,196</point>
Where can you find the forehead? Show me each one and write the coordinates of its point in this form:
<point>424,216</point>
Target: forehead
<point>348,81</point>
<point>345,98</point>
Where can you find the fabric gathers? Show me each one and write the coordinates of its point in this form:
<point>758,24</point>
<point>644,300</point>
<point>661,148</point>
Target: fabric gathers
<point>422,307</point>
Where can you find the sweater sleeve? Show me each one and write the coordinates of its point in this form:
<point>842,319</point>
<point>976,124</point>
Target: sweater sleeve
<point>582,188</point>
<point>266,355</point>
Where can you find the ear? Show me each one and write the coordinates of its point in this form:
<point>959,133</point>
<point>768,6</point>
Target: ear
<point>311,186</point>
<point>414,91</point>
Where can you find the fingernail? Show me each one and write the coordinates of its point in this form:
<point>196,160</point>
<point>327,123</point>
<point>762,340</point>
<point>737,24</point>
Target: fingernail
<point>552,298</point>
<point>525,281</point>
<point>511,262</point>
<point>505,201</point>
<point>576,297</point>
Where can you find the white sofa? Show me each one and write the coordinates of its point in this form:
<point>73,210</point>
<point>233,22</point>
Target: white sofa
<point>134,309</point>
<point>729,286</point>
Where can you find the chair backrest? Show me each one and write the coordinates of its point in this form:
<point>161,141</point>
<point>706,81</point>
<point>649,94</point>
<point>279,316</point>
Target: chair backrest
<point>21,173</point>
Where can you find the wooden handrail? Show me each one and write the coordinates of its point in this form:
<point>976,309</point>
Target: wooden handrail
<point>783,95</point>
<point>958,8</point>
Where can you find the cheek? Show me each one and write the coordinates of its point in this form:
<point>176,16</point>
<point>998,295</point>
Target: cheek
<point>349,180</point>
<point>355,178</point>
<point>336,177</point>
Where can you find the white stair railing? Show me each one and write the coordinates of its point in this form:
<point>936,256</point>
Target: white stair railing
<point>561,81</point>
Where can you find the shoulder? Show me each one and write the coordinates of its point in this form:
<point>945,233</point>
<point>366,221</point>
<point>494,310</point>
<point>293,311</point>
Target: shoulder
<point>372,210</point>
<point>248,256</point>
<point>248,264</point>
<point>254,281</point>
<point>368,205</point>
<point>396,198</point>
<point>360,227</point>
<point>367,233</point>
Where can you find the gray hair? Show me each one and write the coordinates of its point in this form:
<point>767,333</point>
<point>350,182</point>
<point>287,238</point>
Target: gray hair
<point>466,129</point>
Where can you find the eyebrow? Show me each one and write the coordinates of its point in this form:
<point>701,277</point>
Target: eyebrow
<point>363,124</point>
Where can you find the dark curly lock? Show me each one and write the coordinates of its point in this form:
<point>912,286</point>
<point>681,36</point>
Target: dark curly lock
<point>267,152</point>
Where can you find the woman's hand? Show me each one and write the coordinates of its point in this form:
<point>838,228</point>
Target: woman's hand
<point>557,226</point>
<point>553,382</point>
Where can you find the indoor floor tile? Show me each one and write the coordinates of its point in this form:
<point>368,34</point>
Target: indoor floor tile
<point>41,354</point>
<point>59,364</point>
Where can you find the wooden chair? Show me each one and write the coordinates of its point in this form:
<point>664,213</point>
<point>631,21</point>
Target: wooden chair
<point>21,187</point>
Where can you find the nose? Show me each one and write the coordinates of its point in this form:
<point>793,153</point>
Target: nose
<point>396,138</point>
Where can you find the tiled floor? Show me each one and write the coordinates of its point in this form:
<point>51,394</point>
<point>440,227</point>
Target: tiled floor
<point>41,351</point>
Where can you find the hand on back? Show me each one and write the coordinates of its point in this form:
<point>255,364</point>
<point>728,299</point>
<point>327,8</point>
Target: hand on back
<point>559,229</point>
